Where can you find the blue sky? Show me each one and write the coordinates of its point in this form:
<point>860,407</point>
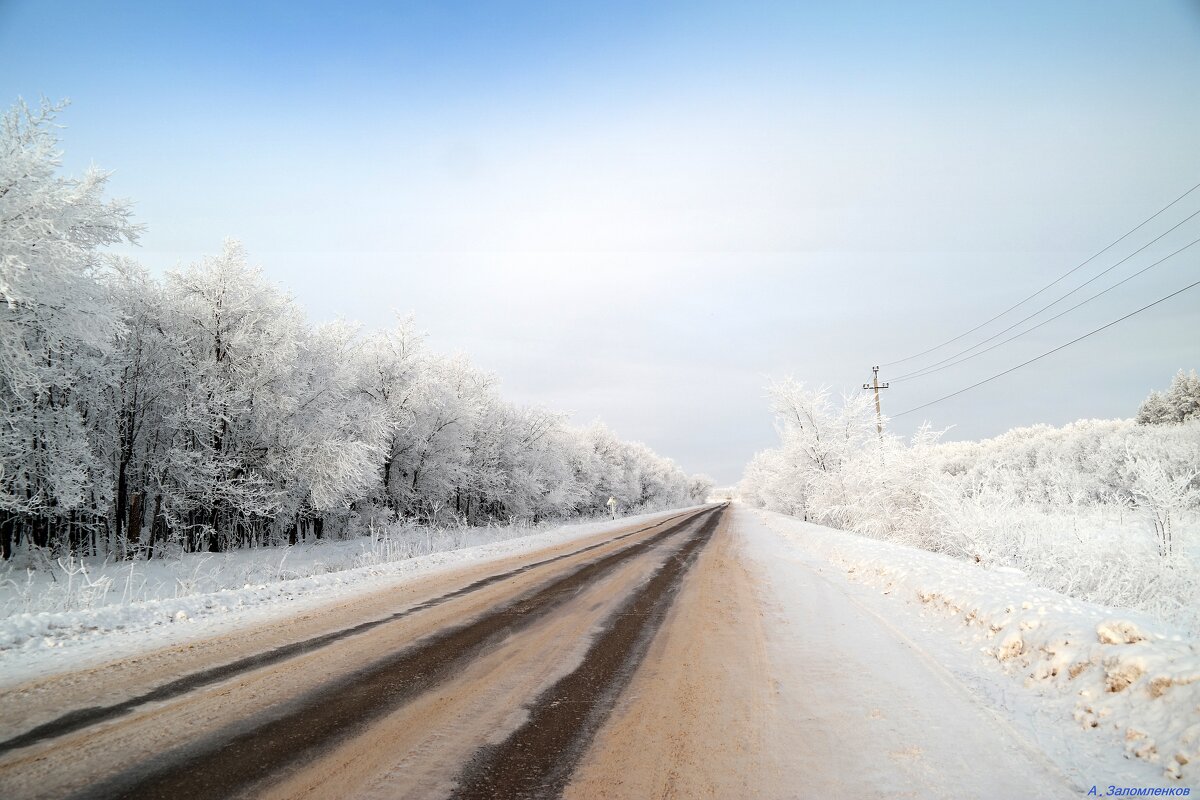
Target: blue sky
<point>638,212</point>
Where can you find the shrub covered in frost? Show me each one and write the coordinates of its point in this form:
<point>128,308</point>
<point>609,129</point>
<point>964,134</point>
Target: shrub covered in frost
<point>1105,510</point>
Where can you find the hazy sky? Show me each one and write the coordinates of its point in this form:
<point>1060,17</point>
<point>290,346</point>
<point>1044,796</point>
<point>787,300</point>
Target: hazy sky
<point>639,212</point>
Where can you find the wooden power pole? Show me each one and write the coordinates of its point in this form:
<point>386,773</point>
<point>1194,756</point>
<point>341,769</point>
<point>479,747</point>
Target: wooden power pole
<point>876,385</point>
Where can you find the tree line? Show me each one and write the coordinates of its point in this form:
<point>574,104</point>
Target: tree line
<point>1106,510</point>
<point>203,411</point>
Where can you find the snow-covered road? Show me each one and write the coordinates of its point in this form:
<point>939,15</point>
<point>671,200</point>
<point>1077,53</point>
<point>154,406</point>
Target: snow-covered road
<point>698,655</point>
<point>867,711</point>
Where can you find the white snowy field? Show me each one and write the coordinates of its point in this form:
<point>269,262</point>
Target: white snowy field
<point>74,614</point>
<point>1108,696</point>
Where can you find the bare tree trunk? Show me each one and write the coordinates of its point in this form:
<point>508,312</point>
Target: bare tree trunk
<point>8,534</point>
<point>122,495</point>
<point>136,514</point>
<point>157,525</point>
<point>41,531</point>
<point>214,535</point>
<point>387,478</point>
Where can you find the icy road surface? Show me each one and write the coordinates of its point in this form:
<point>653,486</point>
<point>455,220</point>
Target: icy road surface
<point>678,658</point>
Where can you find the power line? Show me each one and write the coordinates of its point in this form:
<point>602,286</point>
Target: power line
<point>1047,353</point>
<point>1028,317</point>
<point>935,368</point>
<point>1059,279</point>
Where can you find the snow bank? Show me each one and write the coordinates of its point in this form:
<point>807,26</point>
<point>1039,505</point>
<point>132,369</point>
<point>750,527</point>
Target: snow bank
<point>33,643</point>
<point>1114,672</point>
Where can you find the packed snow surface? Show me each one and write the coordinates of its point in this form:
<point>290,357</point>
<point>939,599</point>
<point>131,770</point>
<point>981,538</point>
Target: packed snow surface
<point>1109,695</point>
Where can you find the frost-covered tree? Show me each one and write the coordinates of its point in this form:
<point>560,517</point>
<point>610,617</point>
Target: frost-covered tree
<point>700,487</point>
<point>389,371</point>
<point>452,398</point>
<point>57,328</point>
<point>327,436</point>
<point>236,342</point>
<point>1164,485</point>
<point>818,439</point>
<point>1155,410</point>
<point>202,411</point>
<point>1179,403</point>
<point>139,401</point>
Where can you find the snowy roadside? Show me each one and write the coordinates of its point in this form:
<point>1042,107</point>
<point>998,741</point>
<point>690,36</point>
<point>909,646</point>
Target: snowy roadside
<point>1108,695</point>
<point>42,643</point>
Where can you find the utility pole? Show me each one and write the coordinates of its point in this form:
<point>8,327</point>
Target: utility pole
<point>876,385</point>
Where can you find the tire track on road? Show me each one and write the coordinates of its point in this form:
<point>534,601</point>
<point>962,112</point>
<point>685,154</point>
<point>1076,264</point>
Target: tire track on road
<point>538,759</point>
<point>79,719</point>
<point>236,758</point>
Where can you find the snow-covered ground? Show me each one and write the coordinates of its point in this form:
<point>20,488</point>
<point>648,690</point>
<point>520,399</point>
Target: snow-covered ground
<point>1111,697</point>
<point>32,581</point>
<point>117,610</point>
<point>1104,696</point>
